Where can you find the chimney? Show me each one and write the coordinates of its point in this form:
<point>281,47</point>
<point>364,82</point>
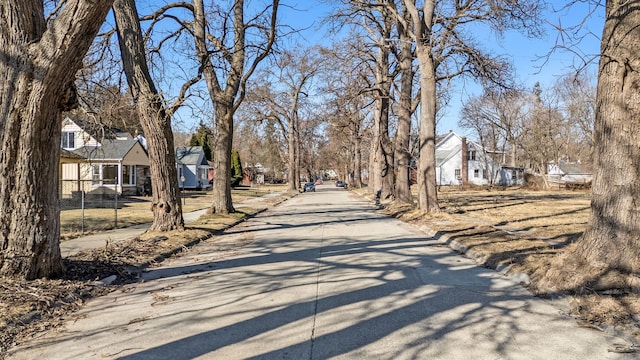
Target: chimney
<point>465,162</point>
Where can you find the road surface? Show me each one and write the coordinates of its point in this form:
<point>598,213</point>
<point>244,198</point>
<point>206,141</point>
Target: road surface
<point>323,275</point>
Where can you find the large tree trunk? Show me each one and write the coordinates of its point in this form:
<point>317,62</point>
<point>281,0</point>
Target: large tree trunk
<point>155,120</point>
<point>222,202</point>
<point>382,176</point>
<point>427,191</point>
<point>403,134</point>
<point>38,62</point>
<point>610,241</point>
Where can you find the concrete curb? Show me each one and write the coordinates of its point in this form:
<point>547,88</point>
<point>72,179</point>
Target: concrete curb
<point>480,259</point>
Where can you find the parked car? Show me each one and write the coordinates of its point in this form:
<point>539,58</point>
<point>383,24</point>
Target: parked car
<point>319,182</point>
<point>340,183</point>
<point>309,187</point>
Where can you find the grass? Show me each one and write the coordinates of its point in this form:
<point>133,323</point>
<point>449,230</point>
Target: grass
<point>137,210</point>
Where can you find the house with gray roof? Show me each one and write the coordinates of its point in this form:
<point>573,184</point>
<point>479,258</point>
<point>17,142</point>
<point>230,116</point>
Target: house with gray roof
<point>570,174</point>
<point>101,161</point>
<point>193,168</point>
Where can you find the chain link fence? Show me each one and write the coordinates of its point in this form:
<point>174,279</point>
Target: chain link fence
<point>86,207</point>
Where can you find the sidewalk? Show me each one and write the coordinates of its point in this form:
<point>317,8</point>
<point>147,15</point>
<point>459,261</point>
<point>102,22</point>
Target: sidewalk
<point>88,242</point>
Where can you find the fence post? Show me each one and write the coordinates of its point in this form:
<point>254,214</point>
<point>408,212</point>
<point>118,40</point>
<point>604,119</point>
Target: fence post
<point>116,204</point>
<point>82,206</point>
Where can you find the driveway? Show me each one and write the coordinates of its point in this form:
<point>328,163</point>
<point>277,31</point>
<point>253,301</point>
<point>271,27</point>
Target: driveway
<point>323,275</point>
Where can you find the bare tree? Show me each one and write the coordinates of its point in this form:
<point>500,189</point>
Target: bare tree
<point>287,85</point>
<point>543,136</point>
<point>577,93</point>
<point>405,109</point>
<point>227,89</point>
<point>155,119</point>
<point>379,22</point>
<point>347,84</point>
<point>498,119</point>
<point>445,49</point>
<point>39,59</point>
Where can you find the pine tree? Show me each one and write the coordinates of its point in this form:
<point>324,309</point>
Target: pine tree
<point>236,168</point>
<point>203,137</point>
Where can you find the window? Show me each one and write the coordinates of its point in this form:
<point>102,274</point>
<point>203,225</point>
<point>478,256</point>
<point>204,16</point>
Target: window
<point>68,140</point>
<point>457,172</point>
<point>109,174</point>
<point>95,174</point>
<point>476,173</point>
<point>472,154</point>
<point>514,174</point>
<point>128,174</point>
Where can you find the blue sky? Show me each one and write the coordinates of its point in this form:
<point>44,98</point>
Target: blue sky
<point>525,53</point>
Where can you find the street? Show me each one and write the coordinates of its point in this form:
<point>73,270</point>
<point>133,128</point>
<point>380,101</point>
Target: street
<point>323,275</point>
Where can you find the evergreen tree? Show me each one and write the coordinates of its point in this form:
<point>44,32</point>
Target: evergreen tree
<point>236,168</point>
<point>203,137</point>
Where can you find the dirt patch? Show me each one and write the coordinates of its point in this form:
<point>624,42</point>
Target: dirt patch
<point>531,232</point>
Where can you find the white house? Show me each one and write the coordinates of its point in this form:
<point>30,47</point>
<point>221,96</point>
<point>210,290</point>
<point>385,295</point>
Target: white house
<point>101,160</point>
<point>570,174</point>
<point>193,168</point>
<point>459,161</point>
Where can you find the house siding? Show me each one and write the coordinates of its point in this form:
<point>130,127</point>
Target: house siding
<point>450,169</point>
<point>81,138</point>
<point>136,156</point>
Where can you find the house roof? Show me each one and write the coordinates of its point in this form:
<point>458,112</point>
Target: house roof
<point>575,169</point>
<point>111,149</point>
<point>443,155</point>
<point>69,154</point>
<point>190,155</point>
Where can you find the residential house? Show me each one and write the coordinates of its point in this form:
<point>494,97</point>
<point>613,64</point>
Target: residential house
<point>100,160</point>
<point>193,168</point>
<point>460,161</point>
<point>570,175</point>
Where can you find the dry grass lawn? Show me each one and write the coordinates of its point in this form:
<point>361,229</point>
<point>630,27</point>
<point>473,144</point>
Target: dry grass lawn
<point>137,210</point>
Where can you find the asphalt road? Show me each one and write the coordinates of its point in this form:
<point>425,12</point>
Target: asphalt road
<point>323,275</point>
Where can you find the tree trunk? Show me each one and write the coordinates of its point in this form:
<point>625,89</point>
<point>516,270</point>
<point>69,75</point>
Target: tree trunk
<point>383,157</point>
<point>403,134</point>
<point>610,241</point>
<point>291,172</point>
<point>375,168</point>
<point>357,160</point>
<point>155,120</point>
<point>223,100</point>
<point>38,61</point>
<point>427,191</point>
<point>222,202</point>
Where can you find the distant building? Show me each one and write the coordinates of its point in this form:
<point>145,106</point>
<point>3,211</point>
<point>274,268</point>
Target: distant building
<point>571,175</point>
<point>460,161</point>
<point>193,168</point>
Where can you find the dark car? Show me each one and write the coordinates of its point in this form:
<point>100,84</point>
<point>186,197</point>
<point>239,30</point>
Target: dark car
<point>309,187</point>
<point>340,183</point>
